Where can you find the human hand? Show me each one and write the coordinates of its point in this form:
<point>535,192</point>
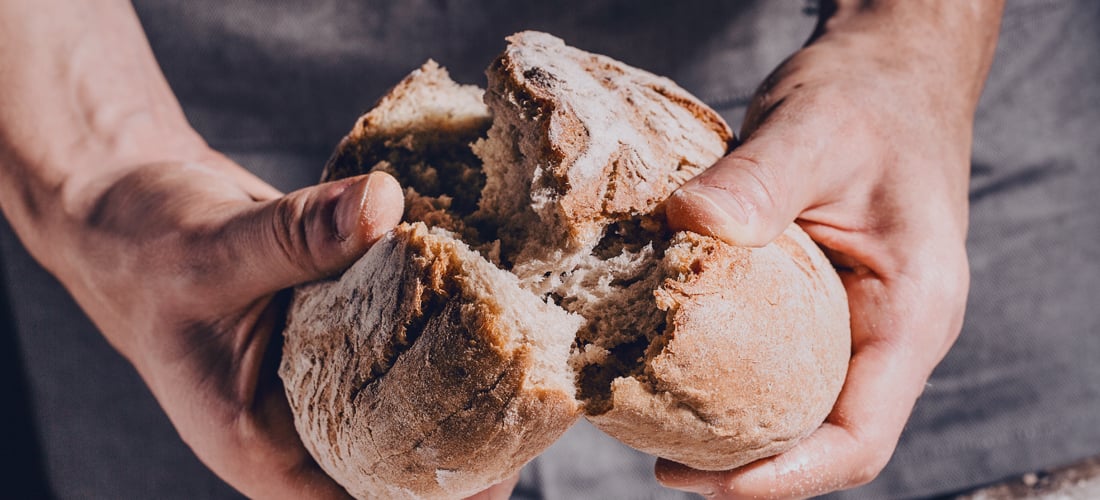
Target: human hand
<point>500,491</point>
<point>183,267</point>
<point>864,139</point>
<point>180,266</point>
<point>179,256</point>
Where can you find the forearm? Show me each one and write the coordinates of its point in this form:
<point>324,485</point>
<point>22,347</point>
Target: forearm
<point>940,52</point>
<point>81,97</point>
<point>950,42</point>
<point>932,55</point>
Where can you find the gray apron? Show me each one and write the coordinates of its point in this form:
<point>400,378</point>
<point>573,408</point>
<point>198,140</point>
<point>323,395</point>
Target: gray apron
<point>275,84</point>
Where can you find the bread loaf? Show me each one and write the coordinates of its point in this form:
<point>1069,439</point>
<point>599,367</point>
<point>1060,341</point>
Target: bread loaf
<point>535,280</point>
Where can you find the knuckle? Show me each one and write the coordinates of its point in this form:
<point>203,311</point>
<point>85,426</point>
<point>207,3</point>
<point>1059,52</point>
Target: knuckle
<point>754,182</point>
<point>872,466</point>
<point>930,286</point>
<point>288,228</point>
<point>943,273</point>
<point>763,185</point>
<point>200,255</point>
<point>249,434</point>
<point>862,476</point>
<point>748,203</point>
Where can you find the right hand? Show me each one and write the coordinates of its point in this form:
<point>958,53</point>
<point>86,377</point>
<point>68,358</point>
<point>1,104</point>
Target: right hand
<point>181,266</point>
<point>180,256</point>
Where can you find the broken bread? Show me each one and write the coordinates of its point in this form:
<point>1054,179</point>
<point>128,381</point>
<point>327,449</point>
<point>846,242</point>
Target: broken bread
<point>425,371</point>
<point>535,280</point>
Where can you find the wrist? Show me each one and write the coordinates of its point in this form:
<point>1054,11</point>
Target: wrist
<point>948,43</point>
<point>48,185</point>
<point>81,101</point>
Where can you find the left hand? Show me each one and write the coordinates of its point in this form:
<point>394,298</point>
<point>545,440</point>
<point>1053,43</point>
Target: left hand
<point>863,138</point>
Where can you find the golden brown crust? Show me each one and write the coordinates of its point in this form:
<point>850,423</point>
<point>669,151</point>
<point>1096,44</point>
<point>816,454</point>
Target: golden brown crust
<point>426,115</point>
<point>425,371</point>
<point>612,141</point>
<point>754,354</point>
<point>420,132</point>
<point>404,381</point>
<point>606,143</point>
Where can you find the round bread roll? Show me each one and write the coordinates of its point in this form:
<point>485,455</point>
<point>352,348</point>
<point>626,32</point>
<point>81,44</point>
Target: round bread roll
<point>535,281</point>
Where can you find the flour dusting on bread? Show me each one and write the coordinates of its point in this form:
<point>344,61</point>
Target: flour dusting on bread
<point>535,279</point>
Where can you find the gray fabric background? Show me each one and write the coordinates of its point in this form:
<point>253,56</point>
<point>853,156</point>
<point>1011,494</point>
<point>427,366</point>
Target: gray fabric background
<point>276,84</point>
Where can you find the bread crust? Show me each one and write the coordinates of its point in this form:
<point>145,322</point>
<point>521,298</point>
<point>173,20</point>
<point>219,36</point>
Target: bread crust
<point>752,357</point>
<point>425,117</point>
<point>606,141</point>
<point>404,380</point>
<point>427,371</point>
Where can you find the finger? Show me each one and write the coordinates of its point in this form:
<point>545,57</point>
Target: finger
<point>310,233</point>
<point>256,188</point>
<point>272,461</point>
<point>269,459</point>
<point>499,491</point>
<point>750,196</point>
<point>229,405</point>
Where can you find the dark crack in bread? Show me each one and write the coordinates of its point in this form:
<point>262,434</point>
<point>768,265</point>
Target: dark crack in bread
<point>549,285</point>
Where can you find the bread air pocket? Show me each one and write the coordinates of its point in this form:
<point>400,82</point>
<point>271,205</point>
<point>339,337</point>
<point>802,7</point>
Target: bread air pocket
<point>535,280</point>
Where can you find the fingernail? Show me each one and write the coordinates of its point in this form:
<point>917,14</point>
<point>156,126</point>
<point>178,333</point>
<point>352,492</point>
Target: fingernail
<point>368,208</point>
<point>716,210</point>
<point>681,477</point>
<point>349,208</point>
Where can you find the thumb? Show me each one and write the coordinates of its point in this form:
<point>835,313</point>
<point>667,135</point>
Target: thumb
<point>311,233</point>
<point>748,197</point>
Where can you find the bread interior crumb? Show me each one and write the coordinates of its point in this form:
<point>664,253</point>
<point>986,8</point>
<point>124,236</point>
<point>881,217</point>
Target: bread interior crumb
<point>472,173</point>
<point>522,320</point>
